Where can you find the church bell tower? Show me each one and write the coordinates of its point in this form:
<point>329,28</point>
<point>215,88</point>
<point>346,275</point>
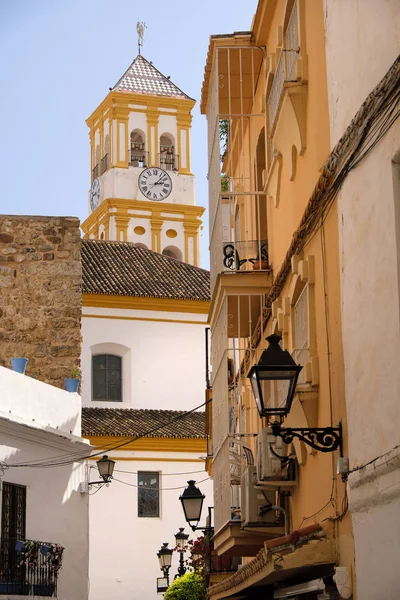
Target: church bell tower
<point>142,188</point>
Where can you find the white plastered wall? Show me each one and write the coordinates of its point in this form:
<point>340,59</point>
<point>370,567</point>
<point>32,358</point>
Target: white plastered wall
<point>123,559</point>
<point>123,183</point>
<point>166,361</point>
<point>368,214</point>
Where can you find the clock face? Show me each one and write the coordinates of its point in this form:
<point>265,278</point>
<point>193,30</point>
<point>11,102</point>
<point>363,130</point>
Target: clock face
<point>95,194</point>
<point>155,184</point>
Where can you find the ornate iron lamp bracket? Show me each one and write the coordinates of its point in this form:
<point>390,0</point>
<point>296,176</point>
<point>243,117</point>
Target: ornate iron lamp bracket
<point>322,439</point>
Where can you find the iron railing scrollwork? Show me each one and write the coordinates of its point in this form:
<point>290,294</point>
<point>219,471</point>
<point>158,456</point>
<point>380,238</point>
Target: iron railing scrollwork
<point>29,568</point>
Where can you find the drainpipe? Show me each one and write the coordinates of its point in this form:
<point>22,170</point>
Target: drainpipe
<point>285,517</point>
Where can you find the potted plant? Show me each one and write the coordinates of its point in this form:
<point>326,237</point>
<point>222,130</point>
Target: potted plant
<point>19,365</point>
<point>72,383</point>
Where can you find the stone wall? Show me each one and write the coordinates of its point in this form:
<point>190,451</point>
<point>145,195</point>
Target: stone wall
<point>40,295</point>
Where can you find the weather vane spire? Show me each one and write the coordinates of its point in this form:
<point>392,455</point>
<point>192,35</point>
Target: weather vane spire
<point>140,27</point>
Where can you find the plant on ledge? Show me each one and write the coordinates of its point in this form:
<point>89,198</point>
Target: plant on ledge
<point>33,554</point>
<point>28,553</point>
<point>55,555</point>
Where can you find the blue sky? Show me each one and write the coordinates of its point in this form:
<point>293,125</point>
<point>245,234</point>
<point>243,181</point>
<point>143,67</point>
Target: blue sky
<point>60,57</point>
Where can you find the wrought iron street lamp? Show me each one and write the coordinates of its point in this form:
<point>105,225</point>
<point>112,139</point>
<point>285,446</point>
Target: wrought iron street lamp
<point>106,468</point>
<point>181,539</point>
<point>277,368</point>
<point>192,504</point>
<point>165,559</point>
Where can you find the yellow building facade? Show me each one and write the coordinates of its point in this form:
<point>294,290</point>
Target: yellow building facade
<point>274,270</point>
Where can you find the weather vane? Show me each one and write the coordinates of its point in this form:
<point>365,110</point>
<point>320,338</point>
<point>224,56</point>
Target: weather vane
<point>140,27</point>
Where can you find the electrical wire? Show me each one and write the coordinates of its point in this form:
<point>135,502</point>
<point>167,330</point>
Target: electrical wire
<point>62,461</point>
<point>164,474</point>
<point>180,487</point>
<point>330,501</point>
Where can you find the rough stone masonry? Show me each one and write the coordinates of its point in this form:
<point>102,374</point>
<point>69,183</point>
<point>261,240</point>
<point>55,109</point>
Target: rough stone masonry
<point>40,295</point>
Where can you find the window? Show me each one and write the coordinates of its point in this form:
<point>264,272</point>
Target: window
<point>148,494</point>
<point>107,377</point>
<point>13,522</point>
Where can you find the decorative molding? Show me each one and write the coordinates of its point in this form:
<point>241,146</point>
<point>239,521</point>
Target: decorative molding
<point>146,303</point>
<point>146,443</point>
<point>88,316</point>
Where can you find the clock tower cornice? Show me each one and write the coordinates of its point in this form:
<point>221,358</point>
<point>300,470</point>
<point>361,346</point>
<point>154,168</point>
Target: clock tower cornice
<point>113,99</point>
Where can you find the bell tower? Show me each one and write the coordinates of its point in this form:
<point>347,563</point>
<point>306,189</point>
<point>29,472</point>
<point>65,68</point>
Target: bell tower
<point>142,188</point>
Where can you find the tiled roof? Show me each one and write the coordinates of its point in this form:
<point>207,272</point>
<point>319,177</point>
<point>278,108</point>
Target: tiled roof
<point>123,269</point>
<point>143,78</point>
<point>148,422</point>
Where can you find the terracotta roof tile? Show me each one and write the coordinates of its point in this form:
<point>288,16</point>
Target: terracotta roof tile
<point>124,269</point>
<point>132,422</point>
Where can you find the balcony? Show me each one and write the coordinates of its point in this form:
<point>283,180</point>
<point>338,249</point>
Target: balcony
<point>238,239</point>
<point>168,161</point>
<point>138,157</point>
<point>287,67</point>
<point>28,567</point>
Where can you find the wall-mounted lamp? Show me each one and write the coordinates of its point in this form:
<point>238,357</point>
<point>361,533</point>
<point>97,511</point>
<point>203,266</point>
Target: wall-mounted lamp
<point>192,504</point>
<point>277,367</point>
<point>106,468</point>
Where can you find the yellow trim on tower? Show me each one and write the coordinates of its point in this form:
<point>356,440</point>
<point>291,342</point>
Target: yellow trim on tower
<point>145,303</point>
<point>118,207</point>
<point>155,444</point>
<point>121,224</point>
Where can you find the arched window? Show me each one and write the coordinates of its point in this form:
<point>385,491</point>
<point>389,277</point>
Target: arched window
<point>96,168</point>
<point>107,377</point>
<point>168,158</point>
<point>138,155</point>
<point>172,252</point>
<point>105,160</point>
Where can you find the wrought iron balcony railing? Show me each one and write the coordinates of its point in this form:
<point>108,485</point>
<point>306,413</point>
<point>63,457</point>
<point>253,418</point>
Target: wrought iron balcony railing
<point>138,158</point>
<point>28,567</point>
<point>168,161</point>
<point>246,255</point>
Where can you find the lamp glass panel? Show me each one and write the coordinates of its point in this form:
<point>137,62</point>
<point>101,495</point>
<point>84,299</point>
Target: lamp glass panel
<point>193,508</point>
<point>165,559</point>
<point>106,467</point>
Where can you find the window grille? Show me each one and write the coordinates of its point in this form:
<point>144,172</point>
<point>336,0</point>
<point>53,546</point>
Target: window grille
<point>148,494</point>
<point>13,524</point>
<point>107,377</point>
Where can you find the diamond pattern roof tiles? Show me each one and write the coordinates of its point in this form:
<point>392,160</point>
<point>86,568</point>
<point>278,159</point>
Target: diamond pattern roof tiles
<point>143,78</point>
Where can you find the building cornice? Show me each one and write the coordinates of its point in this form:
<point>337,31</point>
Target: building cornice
<point>155,444</point>
<point>42,436</point>
<point>146,303</point>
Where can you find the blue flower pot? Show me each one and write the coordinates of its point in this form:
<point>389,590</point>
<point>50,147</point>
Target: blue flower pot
<point>19,364</point>
<point>72,385</point>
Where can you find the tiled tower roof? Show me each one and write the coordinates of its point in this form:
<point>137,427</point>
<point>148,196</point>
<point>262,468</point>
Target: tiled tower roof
<point>143,78</point>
